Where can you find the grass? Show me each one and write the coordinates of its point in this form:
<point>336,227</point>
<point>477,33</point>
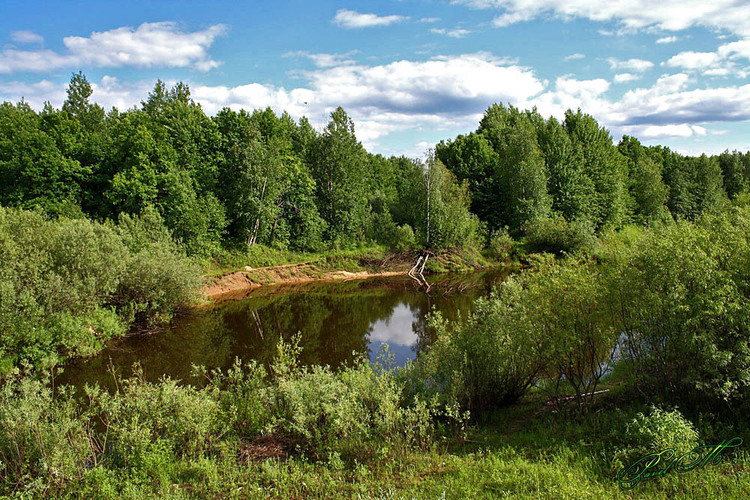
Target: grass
<point>549,457</point>
<point>528,450</point>
<point>261,256</point>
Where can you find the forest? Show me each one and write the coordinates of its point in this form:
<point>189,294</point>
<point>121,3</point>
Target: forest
<point>636,279</point>
<point>241,178</point>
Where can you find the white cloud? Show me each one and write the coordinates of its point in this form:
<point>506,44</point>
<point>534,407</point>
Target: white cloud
<point>454,33</point>
<point>511,18</point>
<point>445,94</point>
<point>625,77</point>
<point>667,39</point>
<point>438,94</point>
<point>572,57</point>
<point>637,65</point>
<point>669,131</point>
<point>693,60</point>
<point>325,60</point>
<point>26,36</point>
<point>353,19</point>
<point>151,44</point>
<point>429,20</point>
<point>726,61</point>
<point>667,15</point>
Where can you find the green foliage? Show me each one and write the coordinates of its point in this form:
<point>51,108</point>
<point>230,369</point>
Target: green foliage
<point>488,361</point>
<point>662,429</point>
<point>69,285</point>
<point>647,189</point>
<point>337,163</point>
<point>44,440</point>
<point>556,235</point>
<point>158,277</point>
<point>657,431</point>
<point>447,221</point>
<point>680,295</point>
<point>552,325</point>
<point>501,245</point>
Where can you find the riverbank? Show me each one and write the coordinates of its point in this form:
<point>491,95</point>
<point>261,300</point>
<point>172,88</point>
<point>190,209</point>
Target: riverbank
<point>344,266</point>
<point>319,434</point>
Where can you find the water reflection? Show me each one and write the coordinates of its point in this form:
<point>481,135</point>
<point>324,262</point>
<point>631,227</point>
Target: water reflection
<point>337,321</point>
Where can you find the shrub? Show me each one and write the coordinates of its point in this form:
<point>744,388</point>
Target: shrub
<point>87,261</point>
<point>44,442</point>
<point>489,360</point>
<point>344,411</point>
<point>62,280</point>
<point>157,281</point>
<point>556,235</point>
<point>658,431</point>
<point>158,278</point>
<point>184,419</point>
<point>681,296</point>
<point>551,322</point>
<point>402,238</point>
<point>501,245</point>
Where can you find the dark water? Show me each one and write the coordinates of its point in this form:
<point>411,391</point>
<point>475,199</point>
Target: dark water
<point>337,321</point>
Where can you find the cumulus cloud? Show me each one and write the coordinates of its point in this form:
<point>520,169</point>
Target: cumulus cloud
<point>454,33</point>
<point>625,77</point>
<point>637,65</point>
<point>693,60</point>
<point>325,60</point>
<point>510,18</point>
<point>353,19</point>
<point>668,131</point>
<point>632,15</point>
<point>573,57</point>
<point>26,36</point>
<point>667,39</point>
<point>726,61</point>
<point>151,44</point>
<point>445,94</point>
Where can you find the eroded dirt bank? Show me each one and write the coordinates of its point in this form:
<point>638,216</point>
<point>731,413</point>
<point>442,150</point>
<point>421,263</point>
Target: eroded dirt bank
<point>238,283</point>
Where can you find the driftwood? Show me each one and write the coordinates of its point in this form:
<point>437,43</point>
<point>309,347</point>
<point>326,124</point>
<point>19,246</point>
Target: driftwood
<point>418,276</point>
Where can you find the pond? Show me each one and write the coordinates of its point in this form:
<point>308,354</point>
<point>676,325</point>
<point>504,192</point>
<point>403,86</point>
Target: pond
<point>337,321</point>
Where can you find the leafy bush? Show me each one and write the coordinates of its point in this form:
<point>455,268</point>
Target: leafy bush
<point>184,419</point>
<point>44,441</point>
<point>158,278</point>
<point>501,245</point>
<point>681,296</point>
<point>490,360</point>
<point>557,235</point>
<point>156,282</point>
<point>67,286</point>
<point>658,431</point>
<point>549,323</point>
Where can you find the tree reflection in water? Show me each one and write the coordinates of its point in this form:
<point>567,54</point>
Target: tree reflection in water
<point>337,321</point>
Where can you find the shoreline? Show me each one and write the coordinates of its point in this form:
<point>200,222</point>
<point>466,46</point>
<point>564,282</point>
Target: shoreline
<point>237,284</point>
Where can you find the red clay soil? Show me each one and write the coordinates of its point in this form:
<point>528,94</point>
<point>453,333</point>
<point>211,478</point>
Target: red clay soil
<point>237,284</point>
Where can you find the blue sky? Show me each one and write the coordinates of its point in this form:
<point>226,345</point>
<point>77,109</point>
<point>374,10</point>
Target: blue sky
<point>409,72</point>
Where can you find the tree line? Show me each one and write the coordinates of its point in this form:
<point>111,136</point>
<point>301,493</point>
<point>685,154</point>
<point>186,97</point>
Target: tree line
<point>522,168</point>
<point>254,178</point>
<point>237,178</point>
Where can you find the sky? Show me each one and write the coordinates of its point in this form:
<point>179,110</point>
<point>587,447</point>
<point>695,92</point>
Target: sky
<point>411,72</point>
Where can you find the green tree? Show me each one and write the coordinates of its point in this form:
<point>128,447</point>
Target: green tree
<point>447,221</point>
<point>604,166</point>
<point>33,170</point>
<point>337,163</point>
<point>647,189</point>
<point>569,187</point>
<point>733,171</point>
